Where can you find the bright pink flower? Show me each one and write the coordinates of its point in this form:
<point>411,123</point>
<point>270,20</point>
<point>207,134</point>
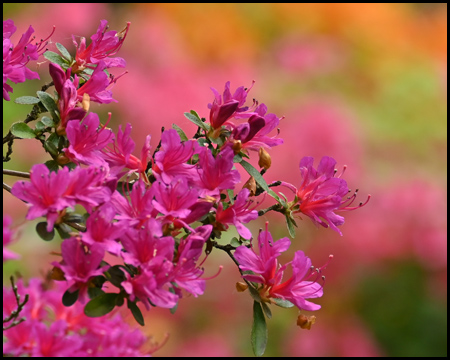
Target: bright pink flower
<point>226,107</point>
<point>44,193</point>
<point>187,272</point>
<point>237,214</point>
<point>120,155</point>
<point>16,57</point>
<point>7,239</point>
<point>68,103</point>
<point>268,273</point>
<point>321,193</point>
<point>98,86</point>
<point>253,134</point>
<point>143,244</point>
<point>215,173</point>
<point>151,285</point>
<point>50,193</point>
<point>104,45</point>
<point>171,159</point>
<point>137,210</point>
<point>86,140</point>
<point>101,230</point>
<point>174,199</point>
<point>80,266</point>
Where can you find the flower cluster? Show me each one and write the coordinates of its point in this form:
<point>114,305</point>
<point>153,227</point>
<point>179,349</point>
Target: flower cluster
<point>54,330</point>
<point>156,213</point>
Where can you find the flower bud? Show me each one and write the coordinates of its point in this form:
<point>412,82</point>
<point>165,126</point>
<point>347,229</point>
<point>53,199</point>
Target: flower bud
<point>264,159</point>
<point>62,159</point>
<point>237,146</point>
<point>305,322</point>
<point>251,185</point>
<point>241,286</point>
<point>85,103</point>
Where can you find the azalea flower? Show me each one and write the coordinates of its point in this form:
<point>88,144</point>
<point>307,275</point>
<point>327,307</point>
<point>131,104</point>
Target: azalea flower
<point>321,193</point>
<point>16,57</point>
<point>266,272</point>
<point>237,214</point>
<point>103,46</point>
<point>7,239</point>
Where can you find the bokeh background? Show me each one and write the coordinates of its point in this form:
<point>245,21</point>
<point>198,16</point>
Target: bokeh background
<point>363,83</point>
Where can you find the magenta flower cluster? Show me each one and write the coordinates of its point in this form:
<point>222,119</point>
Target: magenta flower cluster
<point>157,214</point>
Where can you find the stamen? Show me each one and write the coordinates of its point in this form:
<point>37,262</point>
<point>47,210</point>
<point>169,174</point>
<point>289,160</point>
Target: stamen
<point>214,276</point>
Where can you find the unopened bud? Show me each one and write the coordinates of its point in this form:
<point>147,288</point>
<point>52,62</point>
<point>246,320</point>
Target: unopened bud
<point>237,146</point>
<point>62,159</point>
<point>305,322</point>
<point>251,185</point>
<point>264,159</point>
<point>57,274</point>
<point>241,286</point>
<point>85,103</point>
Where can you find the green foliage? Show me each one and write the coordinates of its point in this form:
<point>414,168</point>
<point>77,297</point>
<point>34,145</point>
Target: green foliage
<point>70,298</point>
<point>259,330</point>
<point>22,131</point>
<point>101,305</point>
<point>193,117</point>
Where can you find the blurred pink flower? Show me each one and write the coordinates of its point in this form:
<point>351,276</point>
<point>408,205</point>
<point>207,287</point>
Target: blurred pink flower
<point>7,239</point>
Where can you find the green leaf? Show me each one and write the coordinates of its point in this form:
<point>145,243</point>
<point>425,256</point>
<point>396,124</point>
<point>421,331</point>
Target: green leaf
<point>40,126</point>
<point>94,292</point>
<point>231,196</point>
<point>254,293</point>
<point>27,100</point>
<point>282,303</point>
<point>193,117</point>
<point>266,310</point>
<point>260,180</point>
<point>50,104</point>
<point>51,148</point>
<point>47,121</point>
<point>41,229</point>
<point>180,132</point>
<point>55,58</point>
<point>64,52</point>
<point>237,158</point>
<point>290,225</point>
<point>52,165</point>
<point>101,305</point>
<point>74,218</point>
<point>63,230</point>
<point>70,298</point>
<point>137,314</point>
<point>115,275</point>
<point>235,242</point>
<point>259,330</point>
<point>23,131</point>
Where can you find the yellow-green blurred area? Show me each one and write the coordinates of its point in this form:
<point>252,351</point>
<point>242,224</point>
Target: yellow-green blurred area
<point>363,83</point>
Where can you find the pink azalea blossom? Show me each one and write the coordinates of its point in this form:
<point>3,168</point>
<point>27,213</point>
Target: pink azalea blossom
<point>104,44</point>
<point>86,141</point>
<point>321,193</point>
<point>237,214</point>
<point>171,159</point>
<point>266,271</point>
<point>226,107</point>
<point>120,155</point>
<point>151,284</point>
<point>80,266</point>
<point>143,244</point>
<point>187,272</point>
<point>7,239</point>
<point>68,103</point>
<point>216,174</point>
<point>174,199</point>
<point>16,57</point>
<point>253,134</point>
<point>48,194</point>
<point>52,329</point>
<point>101,230</point>
<point>137,210</point>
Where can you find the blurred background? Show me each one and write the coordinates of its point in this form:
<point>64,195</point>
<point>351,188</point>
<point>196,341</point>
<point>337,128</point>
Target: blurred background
<point>363,83</point>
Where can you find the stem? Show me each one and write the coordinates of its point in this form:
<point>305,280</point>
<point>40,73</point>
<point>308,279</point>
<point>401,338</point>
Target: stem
<point>76,226</point>
<point>16,173</point>
<point>7,187</point>
<point>33,115</point>
<point>228,248</point>
<point>275,207</point>
<point>15,313</point>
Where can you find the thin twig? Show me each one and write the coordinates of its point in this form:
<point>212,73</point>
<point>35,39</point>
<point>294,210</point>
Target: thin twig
<point>275,207</point>
<point>15,313</point>
<point>16,173</point>
<point>7,187</point>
